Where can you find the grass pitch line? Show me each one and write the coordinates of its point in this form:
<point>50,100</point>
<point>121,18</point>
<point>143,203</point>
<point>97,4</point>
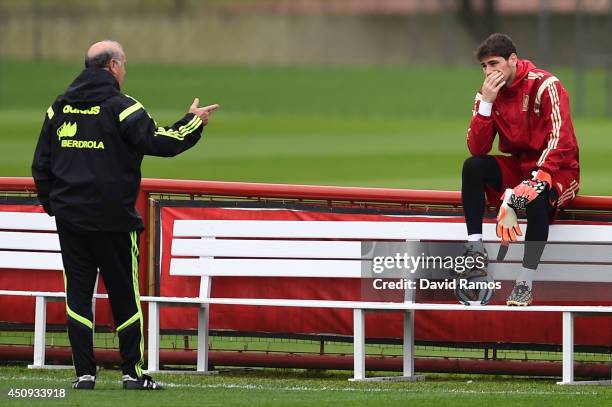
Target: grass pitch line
<point>259,387</point>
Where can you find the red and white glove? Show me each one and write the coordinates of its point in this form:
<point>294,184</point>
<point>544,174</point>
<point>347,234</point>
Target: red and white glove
<point>507,222</point>
<point>527,191</point>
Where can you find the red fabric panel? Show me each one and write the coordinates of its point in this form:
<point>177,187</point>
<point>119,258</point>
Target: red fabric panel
<point>432,326</point>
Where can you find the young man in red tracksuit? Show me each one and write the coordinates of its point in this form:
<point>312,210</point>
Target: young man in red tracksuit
<point>529,110</point>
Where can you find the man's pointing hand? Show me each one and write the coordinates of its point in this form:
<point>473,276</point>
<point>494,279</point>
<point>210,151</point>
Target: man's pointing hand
<point>203,112</point>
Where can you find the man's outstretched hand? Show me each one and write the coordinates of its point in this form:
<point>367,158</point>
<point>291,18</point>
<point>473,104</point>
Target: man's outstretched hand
<point>202,112</point>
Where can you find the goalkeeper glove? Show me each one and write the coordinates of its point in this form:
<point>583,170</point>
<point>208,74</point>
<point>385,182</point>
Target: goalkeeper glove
<point>527,191</point>
<point>507,223</point>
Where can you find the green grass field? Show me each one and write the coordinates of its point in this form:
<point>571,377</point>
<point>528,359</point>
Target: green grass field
<point>378,127</point>
<point>272,387</point>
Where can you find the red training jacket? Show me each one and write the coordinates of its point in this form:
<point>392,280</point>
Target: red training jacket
<point>532,118</point>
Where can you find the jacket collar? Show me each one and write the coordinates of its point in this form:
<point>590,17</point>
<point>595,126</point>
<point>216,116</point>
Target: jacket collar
<point>522,69</point>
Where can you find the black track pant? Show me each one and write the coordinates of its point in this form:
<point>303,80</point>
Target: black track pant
<point>481,171</point>
<point>115,254</point>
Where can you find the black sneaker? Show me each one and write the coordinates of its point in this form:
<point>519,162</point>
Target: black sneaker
<point>475,261</point>
<point>521,295</point>
<point>144,382</point>
<point>85,382</point>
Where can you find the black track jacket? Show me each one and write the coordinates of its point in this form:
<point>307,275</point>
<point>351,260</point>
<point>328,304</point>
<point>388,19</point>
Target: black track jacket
<point>87,162</point>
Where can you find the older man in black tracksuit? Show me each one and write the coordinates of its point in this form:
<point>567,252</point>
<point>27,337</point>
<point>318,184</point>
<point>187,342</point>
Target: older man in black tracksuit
<point>87,173</point>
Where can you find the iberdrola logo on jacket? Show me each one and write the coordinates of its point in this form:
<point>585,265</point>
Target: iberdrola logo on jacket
<point>67,129</point>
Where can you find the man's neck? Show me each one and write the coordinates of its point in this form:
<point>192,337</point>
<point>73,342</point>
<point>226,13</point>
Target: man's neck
<point>511,79</point>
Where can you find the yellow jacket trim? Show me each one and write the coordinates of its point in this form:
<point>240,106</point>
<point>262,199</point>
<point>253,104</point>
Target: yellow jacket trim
<point>182,131</point>
<point>128,111</point>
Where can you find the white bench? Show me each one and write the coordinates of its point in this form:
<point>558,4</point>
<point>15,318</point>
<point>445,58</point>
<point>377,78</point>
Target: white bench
<point>28,241</point>
<point>245,249</point>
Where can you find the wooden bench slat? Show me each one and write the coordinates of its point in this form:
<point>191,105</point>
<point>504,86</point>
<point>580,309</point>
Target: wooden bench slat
<point>266,268</point>
<point>26,221</point>
<point>312,229</point>
<point>31,260</point>
<point>266,248</point>
<point>353,269</point>
<point>407,305</point>
<point>29,241</point>
<point>371,230</point>
<point>565,252</point>
<point>305,249</point>
<point>587,309</point>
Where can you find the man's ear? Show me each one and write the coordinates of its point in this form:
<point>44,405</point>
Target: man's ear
<point>513,59</point>
<point>112,66</point>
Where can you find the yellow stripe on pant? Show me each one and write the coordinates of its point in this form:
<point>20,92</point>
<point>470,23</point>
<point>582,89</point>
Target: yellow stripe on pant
<point>138,315</point>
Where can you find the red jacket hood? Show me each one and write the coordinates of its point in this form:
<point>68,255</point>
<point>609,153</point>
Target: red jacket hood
<point>522,69</point>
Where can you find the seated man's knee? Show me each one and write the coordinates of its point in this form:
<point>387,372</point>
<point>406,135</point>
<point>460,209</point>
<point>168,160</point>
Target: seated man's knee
<point>539,206</point>
<point>474,166</point>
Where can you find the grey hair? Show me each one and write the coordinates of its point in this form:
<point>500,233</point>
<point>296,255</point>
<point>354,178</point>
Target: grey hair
<point>102,59</point>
